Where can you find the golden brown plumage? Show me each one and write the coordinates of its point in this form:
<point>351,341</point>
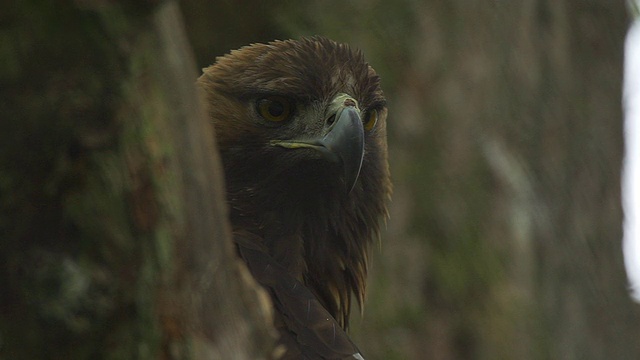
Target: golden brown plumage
<point>301,127</point>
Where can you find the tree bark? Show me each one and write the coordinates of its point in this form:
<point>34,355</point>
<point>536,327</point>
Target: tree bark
<point>115,241</point>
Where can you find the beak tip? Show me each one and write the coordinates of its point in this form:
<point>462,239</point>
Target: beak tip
<point>350,188</point>
<point>351,175</point>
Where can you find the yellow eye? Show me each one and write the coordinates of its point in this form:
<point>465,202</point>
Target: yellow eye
<point>274,108</point>
<point>372,119</point>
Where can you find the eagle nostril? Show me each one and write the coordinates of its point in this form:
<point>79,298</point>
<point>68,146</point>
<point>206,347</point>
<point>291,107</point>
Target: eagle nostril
<point>331,120</point>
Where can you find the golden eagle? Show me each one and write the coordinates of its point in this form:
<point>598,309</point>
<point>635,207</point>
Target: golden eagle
<point>301,128</point>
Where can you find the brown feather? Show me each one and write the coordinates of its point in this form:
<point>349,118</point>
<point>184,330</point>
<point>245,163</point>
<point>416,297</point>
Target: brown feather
<point>287,208</point>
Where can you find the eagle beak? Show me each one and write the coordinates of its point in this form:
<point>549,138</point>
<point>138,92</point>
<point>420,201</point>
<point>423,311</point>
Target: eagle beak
<point>343,143</point>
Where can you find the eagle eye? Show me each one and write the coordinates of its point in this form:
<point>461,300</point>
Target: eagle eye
<point>274,108</point>
<point>372,119</point>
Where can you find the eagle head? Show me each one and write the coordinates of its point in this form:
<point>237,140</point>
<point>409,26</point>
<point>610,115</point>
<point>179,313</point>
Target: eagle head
<point>301,128</point>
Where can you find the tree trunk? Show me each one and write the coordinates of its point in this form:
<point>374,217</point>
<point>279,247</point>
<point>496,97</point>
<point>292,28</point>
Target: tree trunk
<point>115,242</point>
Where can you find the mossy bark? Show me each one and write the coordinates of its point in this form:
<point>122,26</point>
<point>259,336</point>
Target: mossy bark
<point>114,242</point>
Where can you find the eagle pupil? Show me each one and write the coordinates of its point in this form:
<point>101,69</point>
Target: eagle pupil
<point>276,109</point>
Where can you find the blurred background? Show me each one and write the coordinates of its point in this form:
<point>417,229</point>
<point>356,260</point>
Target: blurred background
<point>505,135</point>
<point>631,166</point>
<point>506,147</point>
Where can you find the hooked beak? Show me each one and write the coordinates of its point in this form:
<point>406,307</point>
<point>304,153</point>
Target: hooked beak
<point>343,143</point>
